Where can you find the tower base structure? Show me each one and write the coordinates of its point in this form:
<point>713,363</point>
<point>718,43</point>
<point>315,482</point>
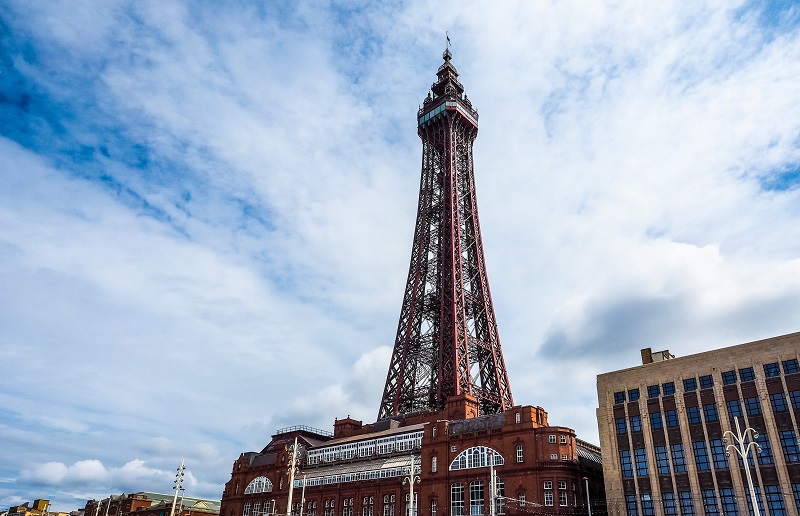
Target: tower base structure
<point>359,469</point>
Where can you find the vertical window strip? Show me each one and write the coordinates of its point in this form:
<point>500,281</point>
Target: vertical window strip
<point>625,463</point>
<point>640,456</point>
<point>719,453</point>
<point>747,374</point>
<point>791,452</point>
<point>655,420</point>
<point>760,502</point>
<point>752,406</point>
<point>728,498</point>
<point>734,409</point>
<point>710,507</point>
<point>630,505</point>
<point>647,505</point>
<point>778,402</point>
<point>670,508</point>
<point>710,412</point>
<point>662,460</point>
<point>686,503</point>
<point>678,458</point>
<point>701,455</point>
<point>796,493</point>
<point>765,457</point>
<point>775,502</point>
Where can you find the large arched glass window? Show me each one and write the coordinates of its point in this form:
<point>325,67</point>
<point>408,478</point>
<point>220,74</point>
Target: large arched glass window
<point>476,457</point>
<point>259,485</point>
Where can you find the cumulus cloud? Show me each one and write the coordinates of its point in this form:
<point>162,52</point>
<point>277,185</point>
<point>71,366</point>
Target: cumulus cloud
<point>56,473</point>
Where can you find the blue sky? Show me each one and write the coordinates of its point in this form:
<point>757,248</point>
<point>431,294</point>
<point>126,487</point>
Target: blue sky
<point>206,211</point>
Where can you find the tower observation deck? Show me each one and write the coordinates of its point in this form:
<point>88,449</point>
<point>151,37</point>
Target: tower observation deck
<point>447,342</point>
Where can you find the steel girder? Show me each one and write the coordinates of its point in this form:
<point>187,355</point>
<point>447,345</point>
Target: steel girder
<point>447,341</point>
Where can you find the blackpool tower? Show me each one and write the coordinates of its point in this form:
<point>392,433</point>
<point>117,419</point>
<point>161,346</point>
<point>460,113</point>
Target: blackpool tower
<point>447,342</point>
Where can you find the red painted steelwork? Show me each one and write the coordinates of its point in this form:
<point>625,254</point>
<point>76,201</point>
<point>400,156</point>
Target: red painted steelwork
<point>447,341</point>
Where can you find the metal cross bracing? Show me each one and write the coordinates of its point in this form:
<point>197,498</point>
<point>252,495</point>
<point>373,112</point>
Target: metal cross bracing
<point>447,341</point>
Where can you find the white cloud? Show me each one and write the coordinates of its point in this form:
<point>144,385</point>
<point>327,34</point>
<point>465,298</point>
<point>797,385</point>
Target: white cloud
<point>56,473</point>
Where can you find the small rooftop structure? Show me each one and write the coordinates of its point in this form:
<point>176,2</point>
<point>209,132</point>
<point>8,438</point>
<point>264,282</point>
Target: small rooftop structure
<point>649,356</point>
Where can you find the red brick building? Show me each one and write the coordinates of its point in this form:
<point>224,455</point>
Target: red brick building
<point>150,504</point>
<point>359,470</point>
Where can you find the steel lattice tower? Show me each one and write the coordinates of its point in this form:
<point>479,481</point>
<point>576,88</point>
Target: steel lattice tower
<point>447,342</point>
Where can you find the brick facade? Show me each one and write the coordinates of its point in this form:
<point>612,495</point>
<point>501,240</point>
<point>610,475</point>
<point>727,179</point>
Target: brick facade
<point>532,453</point>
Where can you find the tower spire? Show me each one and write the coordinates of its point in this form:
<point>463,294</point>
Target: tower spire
<point>447,342</point>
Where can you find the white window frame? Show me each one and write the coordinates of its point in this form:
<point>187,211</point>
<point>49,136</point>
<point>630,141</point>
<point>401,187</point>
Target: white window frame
<point>476,457</point>
<point>259,485</point>
<point>477,497</point>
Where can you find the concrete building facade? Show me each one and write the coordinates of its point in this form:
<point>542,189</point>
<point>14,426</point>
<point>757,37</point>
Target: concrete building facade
<point>663,431</point>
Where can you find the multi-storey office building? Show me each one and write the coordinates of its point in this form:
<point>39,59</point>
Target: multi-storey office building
<point>663,431</point>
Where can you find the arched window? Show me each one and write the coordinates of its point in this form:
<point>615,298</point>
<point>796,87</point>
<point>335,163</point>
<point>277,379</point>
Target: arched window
<point>457,499</point>
<point>476,457</point>
<point>259,485</point>
<point>476,498</point>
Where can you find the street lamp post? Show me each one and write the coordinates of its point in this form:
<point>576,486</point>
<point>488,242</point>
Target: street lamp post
<point>180,507</point>
<point>177,488</point>
<point>294,465</point>
<point>745,441</point>
<point>588,502</point>
<point>303,495</point>
<point>492,485</point>
<point>411,479</point>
